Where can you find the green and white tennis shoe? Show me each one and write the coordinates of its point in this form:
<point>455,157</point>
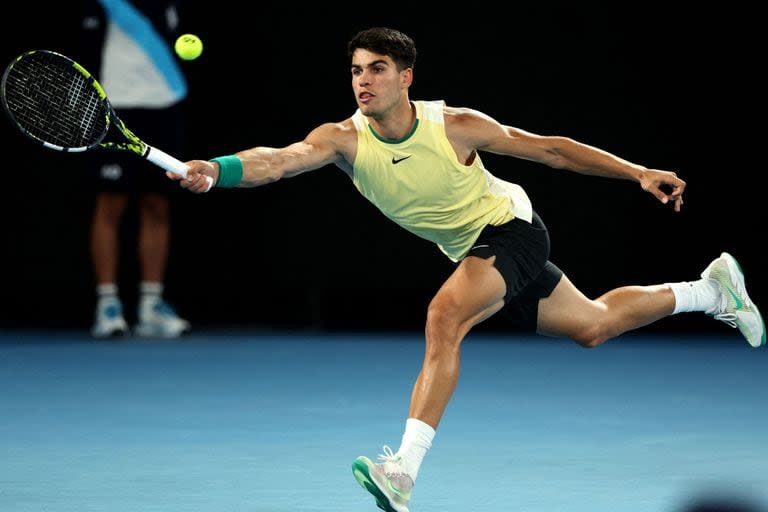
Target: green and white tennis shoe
<point>735,307</point>
<point>387,481</point>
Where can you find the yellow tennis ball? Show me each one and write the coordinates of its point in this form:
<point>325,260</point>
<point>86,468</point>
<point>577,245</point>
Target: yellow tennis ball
<point>188,46</point>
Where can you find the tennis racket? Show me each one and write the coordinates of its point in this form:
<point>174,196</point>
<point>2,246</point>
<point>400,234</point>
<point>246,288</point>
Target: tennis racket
<point>54,101</point>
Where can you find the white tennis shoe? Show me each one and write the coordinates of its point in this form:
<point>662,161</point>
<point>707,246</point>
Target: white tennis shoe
<point>109,321</point>
<point>735,307</point>
<point>387,481</point>
<point>159,319</point>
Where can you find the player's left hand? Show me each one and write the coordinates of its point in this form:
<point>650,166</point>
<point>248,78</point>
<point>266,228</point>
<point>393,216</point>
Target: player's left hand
<point>656,182</point>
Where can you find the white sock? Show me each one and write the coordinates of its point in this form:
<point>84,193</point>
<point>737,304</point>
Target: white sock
<point>701,295</point>
<point>151,292</point>
<point>417,439</point>
<point>106,292</point>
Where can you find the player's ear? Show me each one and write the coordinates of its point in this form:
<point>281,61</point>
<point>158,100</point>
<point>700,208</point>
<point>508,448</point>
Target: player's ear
<point>406,77</point>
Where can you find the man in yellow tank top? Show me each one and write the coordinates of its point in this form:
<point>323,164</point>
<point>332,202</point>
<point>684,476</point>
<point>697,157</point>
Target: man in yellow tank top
<point>419,163</point>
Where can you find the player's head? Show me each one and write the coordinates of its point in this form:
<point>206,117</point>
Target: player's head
<point>385,41</point>
<point>381,60</point>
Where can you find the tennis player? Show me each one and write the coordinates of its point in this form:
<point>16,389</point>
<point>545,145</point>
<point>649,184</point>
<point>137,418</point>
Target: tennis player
<point>419,163</point>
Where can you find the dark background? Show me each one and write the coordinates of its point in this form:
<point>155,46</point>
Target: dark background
<point>671,90</point>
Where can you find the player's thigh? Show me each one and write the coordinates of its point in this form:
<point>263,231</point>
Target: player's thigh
<point>567,312</point>
<point>474,292</point>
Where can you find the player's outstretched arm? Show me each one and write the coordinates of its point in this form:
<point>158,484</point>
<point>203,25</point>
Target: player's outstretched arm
<point>481,132</point>
<point>262,165</point>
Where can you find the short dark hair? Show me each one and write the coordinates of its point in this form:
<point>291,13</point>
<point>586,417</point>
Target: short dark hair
<point>385,41</point>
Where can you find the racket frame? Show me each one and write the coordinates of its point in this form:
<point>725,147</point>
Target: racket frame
<point>132,143</point>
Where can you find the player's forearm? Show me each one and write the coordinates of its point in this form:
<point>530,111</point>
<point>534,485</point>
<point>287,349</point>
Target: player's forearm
<point>260,166</point>
<point>585,159</point>
<point>263,165</point>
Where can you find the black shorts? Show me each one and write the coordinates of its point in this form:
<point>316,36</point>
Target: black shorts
<point>126,173</point>
<point>522,259</point>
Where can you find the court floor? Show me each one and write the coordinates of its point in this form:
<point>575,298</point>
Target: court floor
<point>260,421</point>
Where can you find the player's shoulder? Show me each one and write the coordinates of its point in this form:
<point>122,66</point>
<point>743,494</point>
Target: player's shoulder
<point>450,114</point>
<point>462,112</point>
<point>463,116</point>
<point>456,111</point>
<point>341,136</point>
<point>469,126</point>
<point>335,130</point>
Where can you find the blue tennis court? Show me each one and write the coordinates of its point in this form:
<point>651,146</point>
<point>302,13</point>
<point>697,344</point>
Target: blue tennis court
<point>260,421</point>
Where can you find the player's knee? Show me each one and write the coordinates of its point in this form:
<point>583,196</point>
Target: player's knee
<point>444,307</point>
<point>442,323</point>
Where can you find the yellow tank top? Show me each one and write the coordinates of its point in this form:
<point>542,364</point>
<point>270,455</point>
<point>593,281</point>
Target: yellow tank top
<point>419,183</point>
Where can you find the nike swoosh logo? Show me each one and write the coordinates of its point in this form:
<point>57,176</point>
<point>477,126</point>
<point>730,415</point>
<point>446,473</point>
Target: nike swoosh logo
<point>405,495</point>
<point>398,160</point>
<point>739,303</point>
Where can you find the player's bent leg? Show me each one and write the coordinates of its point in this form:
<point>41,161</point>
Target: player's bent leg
<point>568,313</point>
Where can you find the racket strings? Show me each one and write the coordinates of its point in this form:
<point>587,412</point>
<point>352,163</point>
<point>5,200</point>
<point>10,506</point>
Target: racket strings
<point>55,102</point>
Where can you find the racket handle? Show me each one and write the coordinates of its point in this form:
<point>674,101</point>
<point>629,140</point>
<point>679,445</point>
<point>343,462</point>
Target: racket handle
<point>169,163</point>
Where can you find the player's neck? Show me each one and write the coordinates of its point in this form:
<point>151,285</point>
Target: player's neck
<point>397,123</point>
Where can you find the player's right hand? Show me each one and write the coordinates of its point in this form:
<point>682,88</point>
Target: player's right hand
<point>198,175</point>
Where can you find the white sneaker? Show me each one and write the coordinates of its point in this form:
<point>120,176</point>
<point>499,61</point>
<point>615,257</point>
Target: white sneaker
<point>735,308</point>
<point>388,481</point>
<point>108,320</point>
<point>158,319</point>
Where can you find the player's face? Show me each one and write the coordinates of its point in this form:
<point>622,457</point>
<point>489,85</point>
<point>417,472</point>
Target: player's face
<point>377,83</point>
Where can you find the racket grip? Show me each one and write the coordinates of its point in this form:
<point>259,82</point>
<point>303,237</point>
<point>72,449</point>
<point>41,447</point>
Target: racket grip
<point>169,163</point>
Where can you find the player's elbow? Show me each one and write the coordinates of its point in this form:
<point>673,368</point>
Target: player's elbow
<point>556,161</point>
